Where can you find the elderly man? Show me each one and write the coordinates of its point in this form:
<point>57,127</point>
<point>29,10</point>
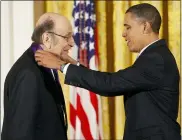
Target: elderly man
<point>150,86</point>
<point>34,106</point>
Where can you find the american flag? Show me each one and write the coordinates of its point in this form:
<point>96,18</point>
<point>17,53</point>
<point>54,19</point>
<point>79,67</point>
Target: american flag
<point>85,106</point>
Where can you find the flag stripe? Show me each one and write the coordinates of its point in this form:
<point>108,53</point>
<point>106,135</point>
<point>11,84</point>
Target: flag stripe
<point>72,115</point>
<point>83,117</point>
<point>94,102</point>
<point>96,46</point>
<point>79,135</point>
<point>71,132</point>
<point>89,110</point>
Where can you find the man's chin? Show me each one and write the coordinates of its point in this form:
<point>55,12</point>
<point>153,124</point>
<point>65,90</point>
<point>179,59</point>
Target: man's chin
<point>131,49</point>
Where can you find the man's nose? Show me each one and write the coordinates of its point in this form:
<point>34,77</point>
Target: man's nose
<point>124,34</point>
<point>72,42</point>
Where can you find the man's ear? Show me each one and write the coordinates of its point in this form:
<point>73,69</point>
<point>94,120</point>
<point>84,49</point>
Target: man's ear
<point>147,28</point>
<point>46,40</point>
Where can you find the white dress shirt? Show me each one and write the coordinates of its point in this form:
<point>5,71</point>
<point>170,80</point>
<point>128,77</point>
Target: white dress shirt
<point>66,67</point>
<point>53,74</point>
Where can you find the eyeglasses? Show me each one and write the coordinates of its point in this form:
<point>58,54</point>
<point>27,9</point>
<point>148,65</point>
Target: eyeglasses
<point>65,37</point>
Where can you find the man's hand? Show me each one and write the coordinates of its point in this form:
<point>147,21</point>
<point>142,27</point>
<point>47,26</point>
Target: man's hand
<point>65,57</point>
<point>49,60</point>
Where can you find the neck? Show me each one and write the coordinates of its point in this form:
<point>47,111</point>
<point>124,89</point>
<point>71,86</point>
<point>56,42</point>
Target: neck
<point>149,40</point>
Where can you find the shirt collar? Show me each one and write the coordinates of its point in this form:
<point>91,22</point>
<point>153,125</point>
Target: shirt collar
<point>147,47</point>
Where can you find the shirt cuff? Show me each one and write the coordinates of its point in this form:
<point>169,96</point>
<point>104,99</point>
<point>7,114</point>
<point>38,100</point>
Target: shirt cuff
<point>66,67</point>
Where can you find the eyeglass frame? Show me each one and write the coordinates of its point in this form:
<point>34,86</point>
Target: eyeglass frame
<point>65,37</point>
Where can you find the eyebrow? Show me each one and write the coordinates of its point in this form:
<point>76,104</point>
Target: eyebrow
<point>126,25</point>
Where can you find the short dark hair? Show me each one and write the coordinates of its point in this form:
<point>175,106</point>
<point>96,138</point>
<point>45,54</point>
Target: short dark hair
<point>149,13</point>
<point>47,25</point>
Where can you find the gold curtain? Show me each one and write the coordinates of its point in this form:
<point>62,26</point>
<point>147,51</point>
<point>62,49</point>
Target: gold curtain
<point>113,52</point>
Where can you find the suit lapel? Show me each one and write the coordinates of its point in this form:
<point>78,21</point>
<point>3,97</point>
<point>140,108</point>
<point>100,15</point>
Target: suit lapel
<point>55,90</point>
<point>53,87</point>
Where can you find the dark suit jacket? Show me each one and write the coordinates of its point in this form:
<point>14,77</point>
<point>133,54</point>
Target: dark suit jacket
<point>150,88</point>
<point>33,103</point>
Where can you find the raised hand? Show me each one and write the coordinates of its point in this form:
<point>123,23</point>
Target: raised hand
<point>49,60</point>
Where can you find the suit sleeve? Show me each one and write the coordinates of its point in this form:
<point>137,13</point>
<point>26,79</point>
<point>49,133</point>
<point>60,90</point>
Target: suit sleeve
<point>144,75</point>
<point>21,113</point>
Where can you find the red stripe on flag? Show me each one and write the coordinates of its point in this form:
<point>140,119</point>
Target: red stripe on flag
<point>85,127</point>
<point>99,136</point>
<point>72,116</point>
